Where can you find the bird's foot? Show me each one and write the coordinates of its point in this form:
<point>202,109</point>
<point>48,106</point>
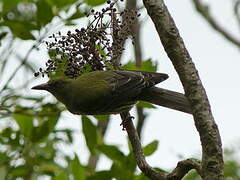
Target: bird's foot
<point>124,122</point>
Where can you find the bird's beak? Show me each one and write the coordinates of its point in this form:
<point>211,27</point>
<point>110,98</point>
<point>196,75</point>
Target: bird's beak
<point>44,86</point>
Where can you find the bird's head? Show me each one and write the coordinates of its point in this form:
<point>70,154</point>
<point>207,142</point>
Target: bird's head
<point>51,85</point>
<point>57,87</point>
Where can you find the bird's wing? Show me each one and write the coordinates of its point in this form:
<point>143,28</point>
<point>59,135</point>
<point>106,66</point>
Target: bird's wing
<point>127,85</point>
<point>126,82</point>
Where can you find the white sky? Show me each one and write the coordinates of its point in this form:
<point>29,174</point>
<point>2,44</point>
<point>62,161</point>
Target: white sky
<point>218,64</point>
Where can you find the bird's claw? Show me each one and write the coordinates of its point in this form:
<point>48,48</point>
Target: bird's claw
<point>124,122</point>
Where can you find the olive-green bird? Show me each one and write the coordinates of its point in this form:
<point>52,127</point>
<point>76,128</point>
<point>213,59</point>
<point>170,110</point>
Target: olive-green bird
<point>112,92</point>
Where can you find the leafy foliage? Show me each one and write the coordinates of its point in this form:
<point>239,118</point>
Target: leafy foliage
<point>90,133</point>
<point>147,65</point>
<point>150,148</point>
<point>30,142</point>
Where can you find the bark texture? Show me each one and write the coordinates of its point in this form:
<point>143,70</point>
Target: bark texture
<point>212,158</point>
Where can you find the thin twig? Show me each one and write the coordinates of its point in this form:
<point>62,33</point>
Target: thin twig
<point>137,150</point>
<point>5,54</point>
<point>183,167</point>
<point>141,120</point>
<point>236,8</point>
<point>34,46</point>
<point>204,11</point>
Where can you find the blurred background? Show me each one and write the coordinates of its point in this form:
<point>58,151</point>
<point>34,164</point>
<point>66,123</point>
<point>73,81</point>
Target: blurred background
<point>40,139</point>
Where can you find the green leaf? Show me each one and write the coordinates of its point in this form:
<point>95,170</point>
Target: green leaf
<point>3,157</point>
<point>70,23</point>
<point>59,73</point>
<point>130,163</point>
<point>78,14</point>
<point>146,105</point>
<point>231,168</point>
<point>120,172</point>
<point>90,133</point>
<point>47,122</point>
<point>150,148</point>
<point>112,152</point>
<point>140,177</point>
<point>61,3</point>
<point>48,167</point>
<point>2,35</point>
<point>101,117</point>
<point>44,13</point>
<point>25,123</point>
<point>8,5</point>
<point>95,2</point>
<point>77,169</point>
<point>147,65</point>
<point>3,172</point>
<point>192,175</point>
<point>101,175</point>
<point>19,171</point>
<point>61,176</point>
<point>21,30</point>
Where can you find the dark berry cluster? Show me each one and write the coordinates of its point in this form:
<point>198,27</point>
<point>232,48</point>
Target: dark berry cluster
<point>97,47</point>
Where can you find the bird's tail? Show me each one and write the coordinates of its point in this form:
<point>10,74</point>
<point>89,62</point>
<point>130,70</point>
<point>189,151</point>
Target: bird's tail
<point>154,77</point>
<point>166,98</point>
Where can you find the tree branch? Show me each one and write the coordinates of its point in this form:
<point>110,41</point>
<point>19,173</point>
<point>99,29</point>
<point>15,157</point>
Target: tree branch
<point>212,157</point>
<point>137,149</point>
<point>204,11</point>
<point>141,120</point>
<point>183,167</point>
<point>34,46</point>
<point>236,11</point>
